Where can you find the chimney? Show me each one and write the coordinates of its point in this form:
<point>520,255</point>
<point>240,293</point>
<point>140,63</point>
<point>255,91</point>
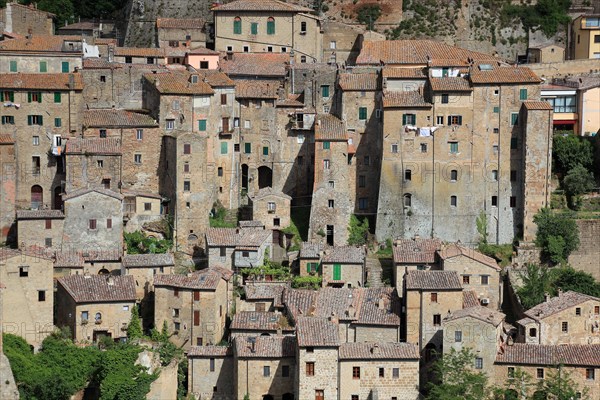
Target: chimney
<point>71,82</point>
<point>381,304</point>
<point>375,349</point>
<point>333,318</point>
<point>546,297</point>
<point>229,56</point>
<point>110,281</point>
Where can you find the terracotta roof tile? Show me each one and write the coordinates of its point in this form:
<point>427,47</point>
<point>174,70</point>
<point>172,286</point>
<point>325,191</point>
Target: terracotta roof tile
<point>261,5</point>
<point>265,347</point>
<point>82,191</point>
<point>344,254</point>
<point>106,146</point>
<point>102,255</point>
<point>40,214</point>
<point>265,291</point>
<point>42,43</point>
<point>99,288</point>
<point>215,78</point>
<point>201,50</point>
<point>414,52</point>
<point>409,99</point>
<point>210,351</point>
<point>218,237</point>
<point>258,321</point>
<point>329,127</point>
<point>298,301</point>
<point>251,224</point>
<point>207,279</point>
<point>550,355</point>
<point>403,73</point>
<point>378,351</point>
<point>7,253</point>
<point>359,82</point>
<point>179,23</point>
<point>139,52</point>
<point>178,83</point>
<point>432,280</point>
<point>454,250</point>
<point>251,239</point>
<point>559,303</point>
<point>148,260</point>
<point>256,89</point>
<point>537,105</point>
<point>484,314</point>
<point>292,100</point>
<point>379,306</point>
<point>317,332</point>
<point>69,259</point>
<point>6,138</point>
<point>269,191</point>
<point>256,64</point>
<point>310,250</point>
<point>416,251</point>
<point>450,84</point>
<point>116,118</point>
<point>343,303</point>
<point>100,63</point>
<point>502,74</point>
<point>470,299</point>
<point>21,81</point>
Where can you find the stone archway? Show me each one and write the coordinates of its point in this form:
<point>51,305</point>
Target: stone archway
<point>265,177</point>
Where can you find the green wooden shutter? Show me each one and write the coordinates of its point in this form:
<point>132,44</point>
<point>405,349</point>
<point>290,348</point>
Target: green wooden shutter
<point>57,122</point>
<point>43,66</point>
<point>13,66</point>
<point>30,120</point>
<point>523,94</point>
<point>41,119</point>
<point>514,118</point>
<point>254,28</point>
<point>403,119</point>
<point>247,148</point>
<point>29,97</point>
<point>223,147</point>
<point>201,124</point>
<point>271,26</point>
<point>326,145</point>
<point>337,272</point>
<point>362,113</point>
<point>65,67</point>
<point>57,97</point>
<point>265,151</point>
<point>496,109</point>
<point>11,96</point>
<point>325,90</point>
<point>39,97</point>
<point>237,26</point>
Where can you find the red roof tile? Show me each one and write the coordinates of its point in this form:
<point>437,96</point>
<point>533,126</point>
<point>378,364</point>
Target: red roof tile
<point>265,291</point>
<point>454,250</point>
<point>379,306</point>
<point>470,299</point>
<point>432,280</point>
<point>201,50</point>
<point>416,251</point>
<point>256,64</point>
<point>69,259</point>
<point>330,128</point>
<point>6,138</point>
<point>261,5</point>
<point>258,321</point>
<point>450,84</point>
<point>106,146</point>
<point>403,73</point>
<point>116,118</point>
<point>551,355</point>
<point>179,23</point>
<point>537,105</point>
<point>317,332</point>
<point>209,351</point>
<point>178,83</point>
<point>310,250</point>
<point>99,288</point>
<point>344,254</point>
<point>558,304</point>
<point>378,351</point>
<point>42,44</point>
<point>359,82</point>
<point>410,99</point>
<point>265,347</point>
<point>40,81</point>
<point>207,279</point>
<point>502,74</point>
<point>139,52</point>
<point>256,89</point>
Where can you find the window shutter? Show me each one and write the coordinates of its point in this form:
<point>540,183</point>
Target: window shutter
<point>223,147</point>
<point>29,97</point>
<point>449,120</point>
<point>460,119</point>
<point>65,67</point>
<point>11,95</point>
<point>30,120</point>
<point>57,97</point>
<point>41,119</point>
<point>39,97</point>
<point>202,124</point>
<point>403,119</point>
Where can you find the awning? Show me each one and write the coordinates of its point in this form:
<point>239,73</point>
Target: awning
<point>564,122</point>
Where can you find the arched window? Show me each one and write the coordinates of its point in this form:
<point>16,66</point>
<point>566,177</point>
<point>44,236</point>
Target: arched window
<point>37,197</point>
<point>98,317</point>
<point>237,25</point>
<point>407,200</point>
<point>271,26</point>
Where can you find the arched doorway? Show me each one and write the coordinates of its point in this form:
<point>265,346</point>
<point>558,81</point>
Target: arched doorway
<point>265,177</point>
<point>245,177</point>
<point>58,203</point>
<point>103,271</point>
<point>268,397</point>
<point>539,395</point>
<point>37,197</point>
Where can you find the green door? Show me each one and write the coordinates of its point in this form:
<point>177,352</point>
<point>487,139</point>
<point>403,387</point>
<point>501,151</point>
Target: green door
<point>337,272</point>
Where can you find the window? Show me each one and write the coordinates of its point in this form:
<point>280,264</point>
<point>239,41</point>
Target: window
<point>36,141</point>
<point>485,279</point>
<point>35,165</point>
<point>423,147</point>
<point>92,224</point>
<point>455,120</point>
<point>212,365</point>
<point>523,94</point>
<point>43,66</point>
<point>395,372</point>
<point>407,200</point>
<point>265,151</point>
<point>187,148</point>
<point>478,363</point>
<point>367,160</point>
<point>409,119</point>
<point>269,49</point>
<point>170,124</point>
<point>125,308</point>
<point>128,59</point>
<point>284,49</point>
<point>514,119</point>
<point>597,310</point>
<point>408,175</point>
<point>453,201</point>
<point>565,326</point>
<point>331,184</point>
<point>381,373</point>
<point>139,134</point>
<point>254,28</point>
<point>453,175</point>
<point>102,78</point>
<point>540,373</point>
<point>355,372</point>
<point>302,59</point>
<point>186,167</point>
<point>532,332</point>
<point>434,297</point>
<point>57,97</point>
<point>362,113</point>
<point>186,186</point>
<point>596,38</point>
<point>137,158</point>
<point>590,373</point>
<point>65,67</point>
<point>513,175</point>
<point>247,148</point>
<point>453,147</point>
<point>513,201</point>
<point>271,26</point>
<point>326,145</point>
<point>325,164</point>
<point>437,320</point>
<point>266,370</point>
<point>303,27</point>
<point>330,203</point>
<point>84,315</point>
<point>445,98</point>
<point>319,394</point>
<point>496,110</point>
<point>495,175</point>
<point>363,203</point>
<point>23,272</point>
<point>34,97</point>
<point>109,222</point>
<point>41,295</point>
<point>395,148</point>
<point>48,224</point>
<point>514,143</point>
<point>102,133</point>
<point>563,104</point>
<point>13,66</point>
<point>10,120</point>
<point>511,372</point>
<point>310,368</point>
<point>439,120</point>
<point>237,26</point>
<point>220,171</point>
<point>458,336</point>
<point>354,397</point>
<point>362,181</point>
<point>466,279</point>
<point>57,122</point>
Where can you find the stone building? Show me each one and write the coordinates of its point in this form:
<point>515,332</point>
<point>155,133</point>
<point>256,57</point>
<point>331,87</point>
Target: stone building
<point>269,26</point>
<point>569,318</point>
<point>343,266</point>
<point>144,267</point>
<point>259,323</point>
<point>262,296</point>
<point>43,109</point>
<point>211,372</point>
<point>28,295</point>
<point>309,258</point>
<point>254,66</point>
<point>140,55</point>
<point>234,248</point>
<point>271,208</point>
<point>26,20</point>
<point>71,261</point>
<point>143,211</point>
<point>8,162</point>
<point>42,53</point>
<point>93,162</point>
<point>180,32</point>
<point>95,306</point>
<point>40,229</point>
<point>414,254</point>
<point>194,306</point>
<point>202,58</point>
<point>545,53</point>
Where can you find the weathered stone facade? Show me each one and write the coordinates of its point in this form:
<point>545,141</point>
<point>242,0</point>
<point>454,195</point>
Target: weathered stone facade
<point>26,20</point>
<point>211,372</point>
<point>8,165</point>
<point>40,229</point>
<point>271,208</point>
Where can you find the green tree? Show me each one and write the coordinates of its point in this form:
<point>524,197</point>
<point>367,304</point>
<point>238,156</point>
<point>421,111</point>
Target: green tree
<point>578,181</point>
<point>138,243</point>
<point>134,330</point>
<point>557,234</point>
<point>569,150</point>
<point>368,15</point>
<point>547,15</point>
<point>568,278</point>
<point>358,231</point>
<point>536,283</point>
<point>456,379</point>
<point>516,386</point>
<point>559,385</point>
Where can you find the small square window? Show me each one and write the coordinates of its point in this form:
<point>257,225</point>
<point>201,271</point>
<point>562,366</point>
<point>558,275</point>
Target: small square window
<point>92,224</point>
<point>41,295</point>
<point>496,130</point>
<point>139,135</point>
<point>48,242</point>
<point>23,272</point>
<point>137,158</point>
<point>102,133</point>
<point>565,327</point>
<point>109,223</point>
<point>355,372</point>
<point>266,370</point>
<point>540,373</point>
<point>466,279</point>
<point>395,373</point>
<point>478,363</point>
<point>147,206</point>
<point>458,336</point>
<point>186,186</point>
<point>423,147</point>
<point>382,372</point>
<point>590,374</point>
<point>437,320</point>
<point>394,148</point>
<point>485,279</point>
<point>445,98</point>
<point>577,311</point>
<point>330,203</point>
<point>494,201</point>
<point>285,371</point>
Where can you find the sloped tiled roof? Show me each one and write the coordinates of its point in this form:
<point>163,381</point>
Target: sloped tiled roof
<point>256,89</point>
<point>484,314</point>
<point>317,332</point>
<point>265,347</point>
<point>411,99</point>
<point>148,260</point>
<point>403,73</point>
<point>379,306</point>
<point>206,279</point>
<point>116,118</point>
<point>310,250</point>
<point>99,288</point>
<point>6,138</point>
<point>105,146</point>
<point>257,321</point>
<point>251,224</point>
<point>179,23</point>
<point>470,299</point>
<point>454,250</point>
<point>178,83</point>
<point>557,304</point>
<point>209,351</point>
<point>201,50</point>
<point>252,239</point>
<point>40,214</point>
<point>418,52</point>
<point>227,237</point>
<point>416,251</point>
<point>7,253</point>
<point>69,259</point>
<point>537,105</point>
<point>432,280</point>
<point>342,303</point>
<point>359,81</point>
<point>265,291</point>
<point>344,254</point>
<point>82,191</point>
<point>261,5</point>
<point>21,81</point>
<point>139,52</point>
<point>329,127</point>
<point>39,43</point>
<point>551,355</point>
<point>256,64</point>
<point>215,78</point>
<point>298,301</point>
<point>502,74</point>
<point>378,351</point>
<point>450,84</point>
<point>269,191</point>
<point>292,100</point>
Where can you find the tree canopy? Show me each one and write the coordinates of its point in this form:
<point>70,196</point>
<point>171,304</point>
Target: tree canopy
<point>569,151</point>
<point>546,15</point>
<point>557,234</point>
<point>358,230</point>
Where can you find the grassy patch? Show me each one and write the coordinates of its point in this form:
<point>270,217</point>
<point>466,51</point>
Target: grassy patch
<point>219,218</point>
<point>501,252</point>
<point>300,216</point>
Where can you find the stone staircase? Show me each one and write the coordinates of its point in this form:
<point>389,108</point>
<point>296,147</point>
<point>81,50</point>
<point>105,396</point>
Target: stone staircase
<point>374,272</point>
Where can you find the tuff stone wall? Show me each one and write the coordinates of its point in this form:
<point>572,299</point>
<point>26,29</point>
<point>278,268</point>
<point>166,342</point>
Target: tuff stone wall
<point>202,381</point>
<point>8,190</point>
<point>586,257</point>
<point>250,378</point>
<point>565,68</point>
<point>326,373</point>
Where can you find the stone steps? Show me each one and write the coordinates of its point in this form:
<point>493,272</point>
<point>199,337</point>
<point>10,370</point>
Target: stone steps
<point>374,272</point>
